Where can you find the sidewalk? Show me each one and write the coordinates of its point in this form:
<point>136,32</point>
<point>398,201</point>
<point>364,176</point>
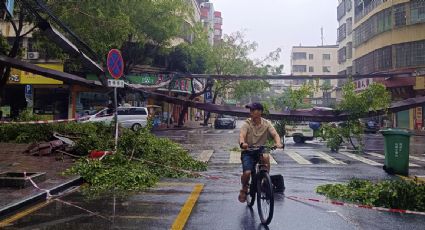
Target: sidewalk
<point>12,159</point>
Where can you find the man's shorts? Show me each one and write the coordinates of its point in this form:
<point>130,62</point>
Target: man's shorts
<point>249,161</point>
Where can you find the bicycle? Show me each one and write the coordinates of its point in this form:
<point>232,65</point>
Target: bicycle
<point>260,185</point>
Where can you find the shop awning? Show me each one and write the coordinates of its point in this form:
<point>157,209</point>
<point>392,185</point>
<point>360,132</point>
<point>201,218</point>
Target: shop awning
<point>54,74</point>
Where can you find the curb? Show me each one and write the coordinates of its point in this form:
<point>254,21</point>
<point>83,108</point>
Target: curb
<point>42,196</point>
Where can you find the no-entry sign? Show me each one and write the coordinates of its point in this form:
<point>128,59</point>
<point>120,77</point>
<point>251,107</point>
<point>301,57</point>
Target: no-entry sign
<point>115,63</point>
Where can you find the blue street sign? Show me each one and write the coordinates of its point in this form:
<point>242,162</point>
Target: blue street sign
<point>208,97</point>
<point>28,89</point>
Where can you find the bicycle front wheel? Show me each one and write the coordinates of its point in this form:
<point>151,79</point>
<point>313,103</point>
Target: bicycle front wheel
<point>265,199</point>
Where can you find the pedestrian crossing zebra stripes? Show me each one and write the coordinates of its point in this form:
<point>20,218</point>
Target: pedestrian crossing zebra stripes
<point>383,157</point>
<point>301,157</point>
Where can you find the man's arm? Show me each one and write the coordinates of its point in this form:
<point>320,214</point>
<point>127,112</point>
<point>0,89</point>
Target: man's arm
<point>242,137</point>
<point>275,136</point>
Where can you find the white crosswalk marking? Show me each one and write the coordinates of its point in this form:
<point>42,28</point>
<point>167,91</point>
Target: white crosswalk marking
<point>231,131</point>
<point>329,158</point>
<point>362,159</point>
<point>235,158</point>
<point>383,157</point>
<point>297,157</point>
<point>417,158</point>
<point>205,155</point>
<point>205,131</point>
<point>192,131</point>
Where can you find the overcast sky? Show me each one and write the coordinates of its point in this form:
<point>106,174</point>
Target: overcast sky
<point>280,23</point>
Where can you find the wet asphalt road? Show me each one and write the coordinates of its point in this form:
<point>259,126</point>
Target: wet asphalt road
<point>218,207</point>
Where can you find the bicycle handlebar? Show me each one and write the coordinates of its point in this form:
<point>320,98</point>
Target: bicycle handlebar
<point>260,147</point>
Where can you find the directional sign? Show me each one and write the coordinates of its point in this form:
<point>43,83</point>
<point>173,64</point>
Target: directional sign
<point>115,63</point>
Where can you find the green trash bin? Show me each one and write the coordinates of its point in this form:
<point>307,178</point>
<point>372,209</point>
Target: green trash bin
<point>396,149</point>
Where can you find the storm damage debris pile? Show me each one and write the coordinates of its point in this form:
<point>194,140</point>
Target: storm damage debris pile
<point>395,194</point>
<point>140,161</point>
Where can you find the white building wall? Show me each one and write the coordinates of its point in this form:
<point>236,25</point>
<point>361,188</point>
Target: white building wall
<point>315,64</point>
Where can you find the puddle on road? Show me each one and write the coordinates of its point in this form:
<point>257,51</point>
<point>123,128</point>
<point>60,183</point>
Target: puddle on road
<point>317,160</point>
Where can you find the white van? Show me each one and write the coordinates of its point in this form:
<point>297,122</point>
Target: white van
<point>128,117</point>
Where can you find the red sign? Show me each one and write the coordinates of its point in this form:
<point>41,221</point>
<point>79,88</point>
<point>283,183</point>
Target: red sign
<point>115,63</point>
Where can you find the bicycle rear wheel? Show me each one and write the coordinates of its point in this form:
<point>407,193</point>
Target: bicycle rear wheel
<point>265,199</point>
<point>250,197</point>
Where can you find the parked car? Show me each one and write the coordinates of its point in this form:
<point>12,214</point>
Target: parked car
<point>225,121</point>
<point>371,126</point>
<point>128,117</point>
<point>300,132</point>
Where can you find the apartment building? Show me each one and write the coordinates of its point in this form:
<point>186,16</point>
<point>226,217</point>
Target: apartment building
<point>316,60</point>
<point>389,36</point>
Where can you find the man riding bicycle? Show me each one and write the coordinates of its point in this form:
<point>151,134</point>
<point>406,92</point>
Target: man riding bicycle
<point>255,132</point>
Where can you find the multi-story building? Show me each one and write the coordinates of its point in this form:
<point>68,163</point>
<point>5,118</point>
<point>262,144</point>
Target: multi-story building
<point>389,36</point>
<point>212,21</point>
<point>345,16</point>
<point>316,60</point>
<point>218,31</point>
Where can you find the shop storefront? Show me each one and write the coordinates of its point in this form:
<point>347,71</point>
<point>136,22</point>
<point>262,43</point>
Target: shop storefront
<point>46,97</point>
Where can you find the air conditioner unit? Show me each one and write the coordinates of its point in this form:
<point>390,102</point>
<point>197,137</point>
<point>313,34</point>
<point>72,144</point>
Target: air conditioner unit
<point>33,55</point>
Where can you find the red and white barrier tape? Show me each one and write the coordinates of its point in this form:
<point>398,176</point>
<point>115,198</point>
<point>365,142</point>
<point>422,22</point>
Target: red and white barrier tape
<point>338,203</point>
<point>38,122</point>
<point>56,198</point>
<point>48,195</point>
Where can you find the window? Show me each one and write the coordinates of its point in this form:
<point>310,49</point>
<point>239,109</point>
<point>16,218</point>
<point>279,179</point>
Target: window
<point>342,32</point>
<point>310,69</point>
<point>400,15</point>
<point>138,111</point>
<point>299,55</point>
<point>410,54</point>
<point>348,5</point>
<point>310,57</point>
<point>377,60</point>
<point>341,10</point>
<point>326,57</point>
<point>377,24</point>
<point>299,68</point>
<point>342,55</point>
<point>326,69</point>
<point>417,11</point>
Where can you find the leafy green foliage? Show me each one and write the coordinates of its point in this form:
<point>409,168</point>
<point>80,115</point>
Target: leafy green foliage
<point>357,105</point>
<point>140,161</point>
<point>113,174</point>
<point>390,194</point>
<point>293,98</point>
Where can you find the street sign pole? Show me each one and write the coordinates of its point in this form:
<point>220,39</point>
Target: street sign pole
<point>116,117</point>
<point>115,65</point>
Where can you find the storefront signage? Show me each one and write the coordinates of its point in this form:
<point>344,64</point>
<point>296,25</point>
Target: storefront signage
<point>420,83</point>
<point>27,78</point>
<point>362,84</point>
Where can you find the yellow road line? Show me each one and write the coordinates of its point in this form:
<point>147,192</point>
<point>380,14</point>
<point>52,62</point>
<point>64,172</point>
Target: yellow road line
<point>19,215</point>
<point>184,214</point>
